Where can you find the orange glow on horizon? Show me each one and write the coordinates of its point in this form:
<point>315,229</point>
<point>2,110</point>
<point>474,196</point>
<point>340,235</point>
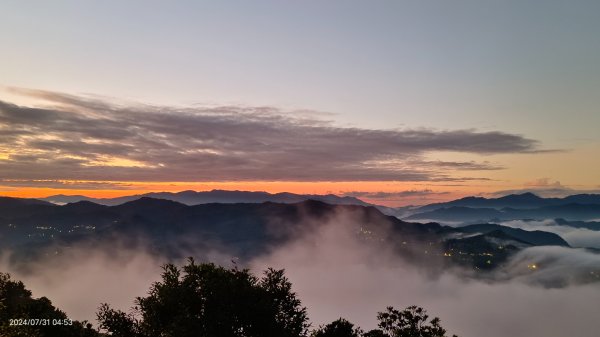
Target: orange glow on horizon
<point>437,192</point>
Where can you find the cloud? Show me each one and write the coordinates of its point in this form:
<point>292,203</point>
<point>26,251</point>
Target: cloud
<point>81,277</point>
<point>85,138</point>
<point>543,192</point>
<point>470,165</point>
<point>544,182</point>
<point>576,237</point>
<point>554,266</point>
<point>545,187</point>
<point>65,184</point>
<point>87,276</point>
<point>335,274</point>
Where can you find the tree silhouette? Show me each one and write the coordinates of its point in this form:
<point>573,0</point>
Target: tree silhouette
<point>205,300</point>
<point>410,322</point>
<point>374,333</point>
<point>16,303</point>
<point>338,328</point>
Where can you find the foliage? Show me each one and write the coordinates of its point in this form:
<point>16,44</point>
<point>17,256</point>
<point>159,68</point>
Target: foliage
<point>16,303</point>
<point>374,333</point>
<point>205,300</point>
<point>338,328</point>
<point>410,322</point>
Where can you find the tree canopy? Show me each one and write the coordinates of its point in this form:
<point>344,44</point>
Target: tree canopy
<point>17,307</point>
<point>410,322</point>
<point>338,328</point>
<point>205,300</point>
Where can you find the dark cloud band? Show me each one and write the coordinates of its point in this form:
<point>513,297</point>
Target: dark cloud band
<point>90,139</point>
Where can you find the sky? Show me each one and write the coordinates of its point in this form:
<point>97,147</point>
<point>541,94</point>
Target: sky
<point>396,102</point>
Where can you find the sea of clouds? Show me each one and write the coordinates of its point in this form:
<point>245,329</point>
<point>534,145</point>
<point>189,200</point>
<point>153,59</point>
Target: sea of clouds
<point>576,237</point>
<point>338,275</point>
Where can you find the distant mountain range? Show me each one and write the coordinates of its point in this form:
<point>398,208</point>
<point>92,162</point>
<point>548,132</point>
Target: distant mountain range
<point>8,202</point>
<point>537,238</point>
<point>191,198</point>
<point>245,230</point>
<point>458,214</point>
<point>579,207</point>
<point>517,201</point>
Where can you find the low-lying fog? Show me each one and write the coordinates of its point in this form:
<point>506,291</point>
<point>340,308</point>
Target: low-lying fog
<point>576,237</point>
<point>337,275</point>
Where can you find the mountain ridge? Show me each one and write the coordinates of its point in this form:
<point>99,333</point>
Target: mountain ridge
<point>190,197</point>
<point>465,215</point>
<point>520,201</point>
<point>244,229</point>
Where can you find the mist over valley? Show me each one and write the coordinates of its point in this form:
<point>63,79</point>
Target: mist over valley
<point>347,259</point>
